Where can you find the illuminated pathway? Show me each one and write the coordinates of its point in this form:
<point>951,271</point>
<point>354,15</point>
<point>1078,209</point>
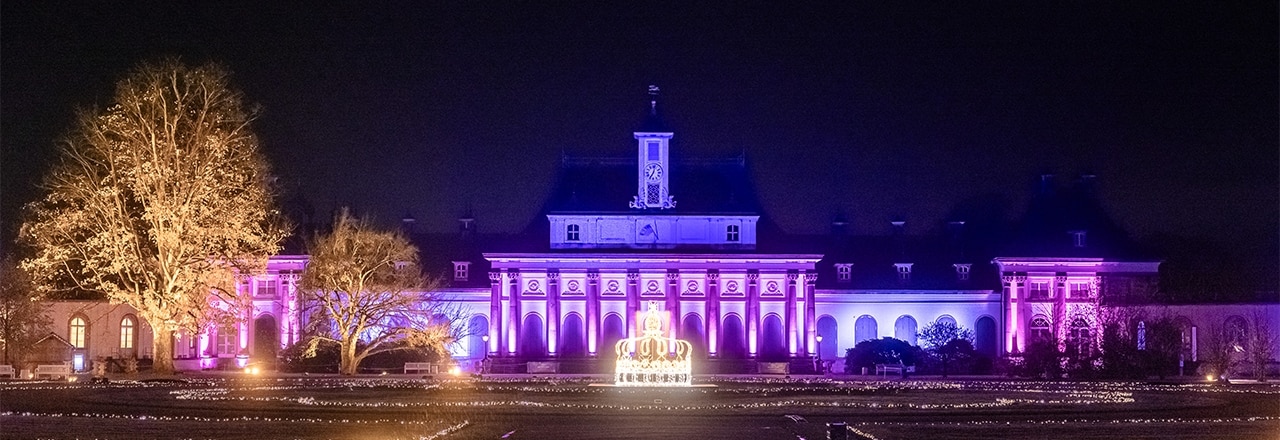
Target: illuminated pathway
<point>407,408</point>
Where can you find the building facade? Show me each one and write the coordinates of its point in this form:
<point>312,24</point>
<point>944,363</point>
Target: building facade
<point>687,235</point>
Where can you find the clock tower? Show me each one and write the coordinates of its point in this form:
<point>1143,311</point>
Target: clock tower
<point>653,140</point>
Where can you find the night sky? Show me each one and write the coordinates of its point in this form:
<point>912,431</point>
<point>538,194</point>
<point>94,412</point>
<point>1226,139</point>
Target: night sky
<point>882,112</point>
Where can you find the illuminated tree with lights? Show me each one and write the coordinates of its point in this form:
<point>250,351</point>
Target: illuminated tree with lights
<point>158,201</point>
<point>368,295</point>
<point>22,315</point>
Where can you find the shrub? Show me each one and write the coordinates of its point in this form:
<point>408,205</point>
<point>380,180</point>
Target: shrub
<point>879,351</point>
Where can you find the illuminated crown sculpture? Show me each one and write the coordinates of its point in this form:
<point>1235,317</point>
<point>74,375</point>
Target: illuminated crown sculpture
<point>653,359</point>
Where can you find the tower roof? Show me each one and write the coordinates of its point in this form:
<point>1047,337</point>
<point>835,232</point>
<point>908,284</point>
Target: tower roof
<point>653,122</point>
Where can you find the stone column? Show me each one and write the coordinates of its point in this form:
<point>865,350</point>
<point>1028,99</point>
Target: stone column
<point>790,315</point>
<point>713,311</point>
<point>673,302</point>
<point>517,315</point>
<point>810,313</point>
<point>633,301</point>
<point>497,337</point>
<point>1061,328</point>
<point>593,310</point>
<point>553,313</point>
<point>1014,338</point>
<point>753,312</point>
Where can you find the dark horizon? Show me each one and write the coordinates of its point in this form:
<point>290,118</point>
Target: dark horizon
<point>879,112</point>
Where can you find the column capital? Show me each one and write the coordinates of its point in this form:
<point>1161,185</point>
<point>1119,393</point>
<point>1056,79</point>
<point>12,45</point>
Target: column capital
<point>495,276</point>
<point>753,276</point>
<point>810,277</point>
<point>673,275</point>
<point>1013,279</point>
<point>593,275</point>
<point>792,276</point>
<point>633,275</point>
<point>553,275</point>
<point>713,276</point>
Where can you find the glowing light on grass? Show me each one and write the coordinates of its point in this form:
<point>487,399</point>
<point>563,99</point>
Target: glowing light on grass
<point>653,359</point>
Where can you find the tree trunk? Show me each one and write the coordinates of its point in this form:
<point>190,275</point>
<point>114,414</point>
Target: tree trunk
<point>347,365</point>
<point>162,352</point>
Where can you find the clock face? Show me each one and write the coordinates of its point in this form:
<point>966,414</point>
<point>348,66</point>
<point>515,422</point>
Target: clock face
<point>653,172</point>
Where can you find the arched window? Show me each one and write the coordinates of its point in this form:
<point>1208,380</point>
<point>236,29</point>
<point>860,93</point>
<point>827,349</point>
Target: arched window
<point>127,333</point>
<point>1142,335</point>
<point>1040,329</point>
<point>1080,342</point>
<point>1237,331</point>
<point>79,334</point>
<point>947,319</point>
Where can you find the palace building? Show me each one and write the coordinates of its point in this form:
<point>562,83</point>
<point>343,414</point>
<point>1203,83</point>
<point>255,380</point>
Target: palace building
<point>687,234</point>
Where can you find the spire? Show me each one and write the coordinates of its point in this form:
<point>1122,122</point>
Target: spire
<point>653,122</point>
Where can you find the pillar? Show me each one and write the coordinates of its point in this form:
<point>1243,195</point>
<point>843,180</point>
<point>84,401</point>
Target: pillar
<point>496,335</point>
<point>593,310</point>
<point>553,312</point>
<point>633,301</point>
<point>713,312</point>
<point>790,315</point>
<point>810,313</point>
<point>673,302</point>
<point>753,311</point>
<point>513,292</point>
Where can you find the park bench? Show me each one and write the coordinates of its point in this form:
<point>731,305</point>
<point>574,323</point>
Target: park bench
<point>7,370</point>
<point>53,370</point>
<point>420,367</point>
<point>885,369</point>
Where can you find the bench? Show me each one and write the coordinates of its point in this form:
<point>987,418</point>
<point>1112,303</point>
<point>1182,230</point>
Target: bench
<point>7,370</point>
<point>420,367</point>
<point>53,370</point>
<point>884,369</point>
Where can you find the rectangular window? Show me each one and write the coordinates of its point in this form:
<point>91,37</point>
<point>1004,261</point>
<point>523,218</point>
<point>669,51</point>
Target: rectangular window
<point>1039,290</point>
<point>731,233</point>
<point>227,339</point>
<point>267,288</point>
<point>572,233</point>
<point>652,147</point>
<point>1080,290</point>
<point>461,270</point>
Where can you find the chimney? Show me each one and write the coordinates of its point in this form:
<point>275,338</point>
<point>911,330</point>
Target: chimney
<point>839,225</point>
<point>955,239</point>
<point>467,224</point>
<point>408,224</point>
<point>899,241</point>
<point>1046,184</point>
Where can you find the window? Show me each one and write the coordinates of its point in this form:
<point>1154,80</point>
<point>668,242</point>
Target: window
<point>1078,238</point>
<point>1040,329</point>
<point>461,270</point>
<point>267,288</point>
<point>227,340</point>
<point>1080,290</point>
<point>572,233</point>
<point>732,233</point>
<point>1079,342</point>
<point>904,271</point>
<point>1039,289</point>
<point>1142,335</point>
<point>126,332</point>
<point>79,332</point>
<point>962,272</point>
<point>844,272</point>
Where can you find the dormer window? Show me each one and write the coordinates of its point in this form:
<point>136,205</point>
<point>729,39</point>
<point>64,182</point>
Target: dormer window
<point>461,270</point>
<point>732,233</point>
<point>904,271</point>
<point>573,233</point>
<point>1078,238</point>
<point>962,271</point>
<point>844,272</point>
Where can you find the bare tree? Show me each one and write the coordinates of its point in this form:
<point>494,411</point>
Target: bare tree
<point>158,201</point>
<point>1217,348</point>
<point>1260,344</point>
<point>369,296</point>
<point>22,313</point>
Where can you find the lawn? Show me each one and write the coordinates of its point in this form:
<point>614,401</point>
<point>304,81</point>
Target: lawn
<point>382,408</point>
